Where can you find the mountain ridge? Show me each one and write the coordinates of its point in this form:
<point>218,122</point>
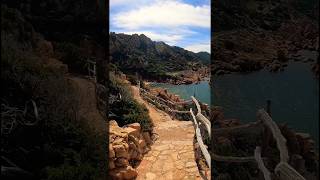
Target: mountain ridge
<point>138,53</point>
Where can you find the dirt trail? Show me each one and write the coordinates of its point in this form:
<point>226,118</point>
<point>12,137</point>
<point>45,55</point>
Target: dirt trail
<point>172,155</point>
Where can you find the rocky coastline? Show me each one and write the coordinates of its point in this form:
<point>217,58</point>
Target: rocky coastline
<point>250,52</point>
<point>254,35</point>
<point>184,77</point>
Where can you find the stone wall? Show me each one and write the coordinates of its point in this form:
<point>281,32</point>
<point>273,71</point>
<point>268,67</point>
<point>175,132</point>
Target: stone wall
<point>126,148</point>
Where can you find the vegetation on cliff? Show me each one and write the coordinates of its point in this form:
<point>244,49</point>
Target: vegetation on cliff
<point>124,108</point>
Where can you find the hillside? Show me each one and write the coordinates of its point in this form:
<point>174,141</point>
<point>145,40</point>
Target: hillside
<point>138,53</point>
<point>46,130</point>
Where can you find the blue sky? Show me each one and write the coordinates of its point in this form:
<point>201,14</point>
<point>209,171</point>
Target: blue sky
<point>183,23</point>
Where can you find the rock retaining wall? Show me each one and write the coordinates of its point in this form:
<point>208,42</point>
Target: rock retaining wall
<point>126,147</point>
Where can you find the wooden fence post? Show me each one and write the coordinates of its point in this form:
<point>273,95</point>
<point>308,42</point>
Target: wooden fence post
<point>92,69</point>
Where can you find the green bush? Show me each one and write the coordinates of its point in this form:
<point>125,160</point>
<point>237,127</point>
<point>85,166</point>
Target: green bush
<point>127,109</point>
<point>132,112</point>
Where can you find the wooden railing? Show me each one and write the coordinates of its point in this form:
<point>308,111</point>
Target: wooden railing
<point>92,69</point>
<point>283,170</point>
<point>13,116</point>
<point>198,119</point>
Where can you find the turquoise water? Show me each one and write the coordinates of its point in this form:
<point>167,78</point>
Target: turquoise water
<point>201,90</point>
<point>294,95</point>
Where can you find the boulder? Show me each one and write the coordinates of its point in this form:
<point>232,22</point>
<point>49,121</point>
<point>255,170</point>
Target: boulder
<point>134,140</point>
<point>121,162</point>
<point>120,151</point>
<point>116,174</point>
<point>135,126</point>
<point>133,132</point>
<point>126,173</point>
<point>130,173</point>
<point>135,155</point>
<point>113,123</point>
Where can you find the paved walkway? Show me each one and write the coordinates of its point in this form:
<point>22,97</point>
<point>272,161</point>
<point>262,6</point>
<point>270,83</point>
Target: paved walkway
<point>172,155</point>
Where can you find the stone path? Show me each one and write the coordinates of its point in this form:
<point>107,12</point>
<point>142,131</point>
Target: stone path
<point>172,155</point>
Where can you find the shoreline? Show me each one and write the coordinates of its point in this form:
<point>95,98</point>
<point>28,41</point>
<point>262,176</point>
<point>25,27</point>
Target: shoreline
<point>242,50</point>
<point>276,68</point>
<point>185,77</point>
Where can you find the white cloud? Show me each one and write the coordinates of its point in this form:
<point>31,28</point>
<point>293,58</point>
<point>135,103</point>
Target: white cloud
<point>170,21</point>
<point>199,47</point>
<point>163,13</point>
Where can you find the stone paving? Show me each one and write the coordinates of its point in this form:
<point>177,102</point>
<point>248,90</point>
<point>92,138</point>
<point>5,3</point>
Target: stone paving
<point>172,155</point>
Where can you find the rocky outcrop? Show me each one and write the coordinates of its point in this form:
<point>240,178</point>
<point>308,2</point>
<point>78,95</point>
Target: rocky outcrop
<point>164,94</point>
<point>127,145</point>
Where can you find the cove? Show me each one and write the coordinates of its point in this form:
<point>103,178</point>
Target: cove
<point>294,95</point>
<point>201,90</point>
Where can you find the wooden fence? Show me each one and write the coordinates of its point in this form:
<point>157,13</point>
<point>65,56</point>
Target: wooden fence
<point>198,119</point>
<point>12,116</point>
<point>92,69</point>
<point>283,171</point>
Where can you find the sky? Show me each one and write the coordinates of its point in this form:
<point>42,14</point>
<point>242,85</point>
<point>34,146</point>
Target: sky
<point>183,23</point>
